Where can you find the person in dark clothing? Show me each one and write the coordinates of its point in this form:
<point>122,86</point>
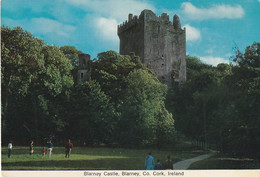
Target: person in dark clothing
<point>158,166</point>
<point>168,163</point>
<point>10,147</point>
<point>50,147</point>
<point>68,147</point>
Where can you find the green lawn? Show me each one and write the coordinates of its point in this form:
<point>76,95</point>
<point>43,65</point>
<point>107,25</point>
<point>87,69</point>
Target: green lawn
<point>84,158</point>
<point>225,162</point>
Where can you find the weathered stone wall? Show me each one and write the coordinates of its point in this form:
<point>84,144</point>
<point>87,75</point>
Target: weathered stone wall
<point>160,44</point>
<point>131,35</point>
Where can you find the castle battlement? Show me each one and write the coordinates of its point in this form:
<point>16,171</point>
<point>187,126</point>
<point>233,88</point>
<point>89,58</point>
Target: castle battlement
<point>132,21</point>
<point>148,15</point>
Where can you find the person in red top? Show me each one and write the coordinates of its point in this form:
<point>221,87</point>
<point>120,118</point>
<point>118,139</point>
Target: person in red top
<point>68,147</point>
<point>43,152</point>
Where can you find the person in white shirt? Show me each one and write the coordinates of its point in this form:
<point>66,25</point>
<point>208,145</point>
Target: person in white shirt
<point>10,147</point>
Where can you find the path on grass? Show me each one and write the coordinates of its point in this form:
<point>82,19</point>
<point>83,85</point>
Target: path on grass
<point>182,165</point>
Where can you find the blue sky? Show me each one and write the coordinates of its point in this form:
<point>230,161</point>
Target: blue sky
<point>212,26</point>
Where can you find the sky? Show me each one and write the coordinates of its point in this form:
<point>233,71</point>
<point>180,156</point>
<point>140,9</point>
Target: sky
<point>213,27</point>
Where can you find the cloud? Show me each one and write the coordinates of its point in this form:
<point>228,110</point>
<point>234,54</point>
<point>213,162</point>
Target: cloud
<point>192,34</point>
<point>209,51</point>
<point>107,14</point>
<point>107,28</point>
<point>12,23</point>
<point>100,16</point>
<point>45,26</point>
<point>116,9</point>
<point>213,60</point>
<point>214,12</point>
<point>41,26</point>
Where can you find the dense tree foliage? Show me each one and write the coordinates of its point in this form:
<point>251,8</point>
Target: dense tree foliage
<point>220,105</point>
<point>72,54</point>
<point>91,114</point>
<point>34,75</point>
<point>143,110</point>
<point>122,104</point>
<point>138,98</point>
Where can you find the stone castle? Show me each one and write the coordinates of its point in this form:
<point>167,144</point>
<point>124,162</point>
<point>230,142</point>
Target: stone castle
<point>160,44</point>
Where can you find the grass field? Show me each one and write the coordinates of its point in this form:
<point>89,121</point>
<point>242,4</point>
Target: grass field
<point>225,162</point>
<point>84,158</point>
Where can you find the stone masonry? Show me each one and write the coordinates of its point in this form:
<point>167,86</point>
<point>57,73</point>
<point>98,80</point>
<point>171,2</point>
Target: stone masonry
<point>84,69</point>
<point>160,43</point>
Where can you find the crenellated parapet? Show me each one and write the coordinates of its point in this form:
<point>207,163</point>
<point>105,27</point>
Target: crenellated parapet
<point>132,21</point>
<point>148,15</point>
<point>176,22</point>
<point>164,18</point>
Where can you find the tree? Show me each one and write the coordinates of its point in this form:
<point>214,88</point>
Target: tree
<point>33,76</point>
<point>72,54</point>
<point>54,79</point>
<point>144,118</point>
<point>245,81</point>
<point>250,57</point>
<point>110,71</point>
<point>21,57</point>
<point>92,116</point>
<point>220,105</point>
<point>137,95</point>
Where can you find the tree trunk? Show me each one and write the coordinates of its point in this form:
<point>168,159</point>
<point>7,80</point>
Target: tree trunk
<point>36,115</point>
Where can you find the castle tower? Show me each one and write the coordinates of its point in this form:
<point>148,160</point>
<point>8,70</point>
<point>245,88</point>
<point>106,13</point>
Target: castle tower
<point>160,43</point>
<point>84,70</point>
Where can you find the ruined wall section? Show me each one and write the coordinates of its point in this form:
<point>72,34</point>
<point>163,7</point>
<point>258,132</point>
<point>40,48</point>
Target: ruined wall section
<point>84,69</point>
<point>179,65</point>
<point>131,35</point>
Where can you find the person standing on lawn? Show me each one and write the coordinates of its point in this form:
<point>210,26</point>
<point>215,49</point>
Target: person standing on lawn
<point>158,166</point>
<point>10,147</point>
<point>31,148</point>
<point>50,147</point>
<point>43,152</point>
<point>149,162</point>
<point>168,163</point>
<point>68,147</point>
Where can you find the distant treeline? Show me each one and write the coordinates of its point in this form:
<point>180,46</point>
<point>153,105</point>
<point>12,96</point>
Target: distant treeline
<point>124,104</point>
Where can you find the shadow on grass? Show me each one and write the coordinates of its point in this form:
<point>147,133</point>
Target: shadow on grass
<point>98,164</point>
<point>216,162</point>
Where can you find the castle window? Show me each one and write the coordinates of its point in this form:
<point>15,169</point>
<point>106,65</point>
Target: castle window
<point>81,75</point>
